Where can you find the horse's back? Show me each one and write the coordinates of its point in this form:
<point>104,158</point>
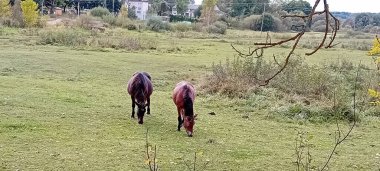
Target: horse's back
<point>180,90</point>
<point>140,80</point>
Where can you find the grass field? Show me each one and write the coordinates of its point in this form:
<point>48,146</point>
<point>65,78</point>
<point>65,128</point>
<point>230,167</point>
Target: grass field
<point>66,108</point>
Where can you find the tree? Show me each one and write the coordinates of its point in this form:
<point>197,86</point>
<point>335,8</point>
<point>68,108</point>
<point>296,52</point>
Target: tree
<point>29,12</point>
<point>155,6</point>
<point>208,12</point>
<point>5,9</point>
<point>198,12</point>
<point>113,5</point>
<point>248,7</point>
<point>123,12</point>
<point>362,20</point>
<point>182,6</point>
<point>297,5</point>
<point>267,23</point>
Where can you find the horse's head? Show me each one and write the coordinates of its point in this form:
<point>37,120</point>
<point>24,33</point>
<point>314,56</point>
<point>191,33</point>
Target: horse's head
<point>189,122</point>
<point>141,108</point>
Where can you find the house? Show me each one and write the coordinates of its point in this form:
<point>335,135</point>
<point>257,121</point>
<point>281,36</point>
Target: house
<point>140,6</point>
<point>191,8</point>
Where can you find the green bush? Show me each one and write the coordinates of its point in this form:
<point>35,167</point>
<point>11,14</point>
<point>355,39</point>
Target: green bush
<point>182,27</point>
<point>218,28</point>
<point>156,24</point>
<point>110,19</point>
<point>251,21</point>
<point>67,37</point>
<point>99,12</point>
<point>122,21</point>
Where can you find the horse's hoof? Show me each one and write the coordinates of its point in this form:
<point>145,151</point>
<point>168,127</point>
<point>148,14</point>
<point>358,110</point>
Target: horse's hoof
<point>141,122</point>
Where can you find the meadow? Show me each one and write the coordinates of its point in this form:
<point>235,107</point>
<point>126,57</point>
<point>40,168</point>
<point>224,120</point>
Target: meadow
<point>65,106</point>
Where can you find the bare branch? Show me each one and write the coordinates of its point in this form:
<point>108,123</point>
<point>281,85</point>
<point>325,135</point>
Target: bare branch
<point>326,29</point>
<point>295,39</point>
<point>340,140</point>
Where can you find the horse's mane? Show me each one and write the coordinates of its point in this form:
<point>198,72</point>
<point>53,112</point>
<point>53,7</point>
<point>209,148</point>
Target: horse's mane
<point>138,85</point>
<point>188,102</point>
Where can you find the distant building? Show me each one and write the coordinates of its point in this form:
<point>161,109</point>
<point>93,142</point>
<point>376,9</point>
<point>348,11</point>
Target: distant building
<point>191,8</point>
<point>141,7</point>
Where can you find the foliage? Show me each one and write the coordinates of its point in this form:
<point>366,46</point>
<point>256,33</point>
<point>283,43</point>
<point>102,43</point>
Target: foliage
<point>217,27</point>
<point>109,18</point>
<point>251,22</point>
<point>239,79</point>
<point>177,18</point>
<point>375,51</point>
<point>5,9</point>
<point>29,12</point>
<point>198,12</point>
<point>99,12</point>
<point>208,12</point>
<point>123,12</point>
<point>182,6</point>
<point>155,6</point>
<point>17,15</point>
<point>182,27</point>
<point>362,20</point>
<point>156,24</point>
<point>113,5</point>
<point>297,5</point>
<point>247,7</point>
<point>267,23</point>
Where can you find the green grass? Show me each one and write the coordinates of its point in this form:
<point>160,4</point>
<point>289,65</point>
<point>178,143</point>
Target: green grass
<point>65,108</point>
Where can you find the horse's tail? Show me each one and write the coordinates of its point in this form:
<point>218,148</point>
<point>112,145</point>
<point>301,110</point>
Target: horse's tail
<point>188,102</point>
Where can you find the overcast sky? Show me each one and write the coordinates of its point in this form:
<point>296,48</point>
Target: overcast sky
<point>346,5</point>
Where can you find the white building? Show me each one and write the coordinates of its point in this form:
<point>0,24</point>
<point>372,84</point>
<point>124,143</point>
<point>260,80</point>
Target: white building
<point>140,6</point>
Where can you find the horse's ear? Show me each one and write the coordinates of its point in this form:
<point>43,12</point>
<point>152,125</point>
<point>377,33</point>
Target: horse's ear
<point>195,116</point>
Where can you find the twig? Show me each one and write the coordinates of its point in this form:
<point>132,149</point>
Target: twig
<point>195,160</point>
<point>147,150</point>
<point>296,38</point>
<point>338,139</point>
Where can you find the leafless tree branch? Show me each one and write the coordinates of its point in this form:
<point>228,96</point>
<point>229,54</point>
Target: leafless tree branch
<point>338,137</point>
<point>261,46</point>
<point>149,160</point>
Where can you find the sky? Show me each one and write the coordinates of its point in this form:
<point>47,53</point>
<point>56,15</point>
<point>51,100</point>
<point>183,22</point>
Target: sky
<point>345,5</point>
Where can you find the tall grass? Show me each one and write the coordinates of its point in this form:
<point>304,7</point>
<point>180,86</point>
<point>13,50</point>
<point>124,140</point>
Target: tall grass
<point>301,86</point>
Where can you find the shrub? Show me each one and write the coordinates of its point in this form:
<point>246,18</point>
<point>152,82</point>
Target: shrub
<point>156,24</point>
<point>5,9</point>
<point>68,37</point>
<point>322,85</point>
<point>99,12</point>
<point>29,12</point>
<point>266,23</point>
<point>218,27</point>
<point>86,21</point>
<point>251,21</point>
<point>110,19</point>
<point>131,27</point>
<point>123,12</point>
<point>182,27</point>
<point>122,21</point>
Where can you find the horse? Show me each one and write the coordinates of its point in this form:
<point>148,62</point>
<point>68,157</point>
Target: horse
<point>140,88</point>
<point>183,97</point>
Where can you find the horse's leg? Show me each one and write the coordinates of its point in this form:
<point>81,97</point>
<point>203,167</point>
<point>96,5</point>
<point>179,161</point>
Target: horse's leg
<point>180,121</point>
<point>148,101</point>
<point>133,107</point>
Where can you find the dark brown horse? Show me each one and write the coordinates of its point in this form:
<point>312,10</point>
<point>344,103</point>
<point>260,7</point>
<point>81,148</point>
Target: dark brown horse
<point>140,88</point>
<point>183,97</point>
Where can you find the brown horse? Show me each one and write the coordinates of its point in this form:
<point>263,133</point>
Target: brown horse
<point>140,88</point>
<point>183,97</point>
